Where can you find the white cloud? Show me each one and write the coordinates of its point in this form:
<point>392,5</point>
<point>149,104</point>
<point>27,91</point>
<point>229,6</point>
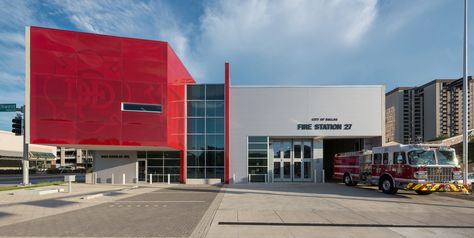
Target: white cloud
<point>290,35</point>
<point>151,20</point>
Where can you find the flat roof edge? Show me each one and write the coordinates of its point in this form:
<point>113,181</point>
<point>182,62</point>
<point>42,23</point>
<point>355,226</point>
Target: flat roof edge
<point>307,86</point>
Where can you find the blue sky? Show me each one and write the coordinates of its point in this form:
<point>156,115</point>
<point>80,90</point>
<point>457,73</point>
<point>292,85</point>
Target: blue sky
<point>389,42</point>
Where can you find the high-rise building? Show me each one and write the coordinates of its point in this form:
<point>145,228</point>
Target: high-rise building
<point>427,112</point>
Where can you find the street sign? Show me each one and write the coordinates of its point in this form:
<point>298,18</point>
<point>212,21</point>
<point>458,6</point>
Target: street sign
<point>10,107</point>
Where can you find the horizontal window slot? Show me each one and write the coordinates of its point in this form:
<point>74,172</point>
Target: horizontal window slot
<point>139,107</point>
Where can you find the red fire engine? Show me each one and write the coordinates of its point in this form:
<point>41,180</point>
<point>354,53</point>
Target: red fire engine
<point>421,168</point>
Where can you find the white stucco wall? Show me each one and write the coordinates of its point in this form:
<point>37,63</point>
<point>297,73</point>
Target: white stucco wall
<point>13,145</point>
<point>277,110</point>
<point>105,167</point>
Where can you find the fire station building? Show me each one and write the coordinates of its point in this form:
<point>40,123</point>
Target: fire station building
<point>133,102</point>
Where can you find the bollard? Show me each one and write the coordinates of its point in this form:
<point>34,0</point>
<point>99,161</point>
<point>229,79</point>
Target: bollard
<point>112,180</point>
<point>233,178</point>
<point>70,187</point>
<point>94,175</point>
<point>123,178</point>
<point>151,179</point>
<point>323,178</point>
<point>250,176</point>
<point>266,177</point>
<point>168,178</point>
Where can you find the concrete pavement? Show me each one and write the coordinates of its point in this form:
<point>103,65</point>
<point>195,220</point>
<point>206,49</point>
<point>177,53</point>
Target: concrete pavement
<point>247,210</point>
<point>265,210</point>
<point>149,211</point>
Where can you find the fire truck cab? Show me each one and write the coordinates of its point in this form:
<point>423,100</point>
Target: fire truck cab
<point>423,168</point>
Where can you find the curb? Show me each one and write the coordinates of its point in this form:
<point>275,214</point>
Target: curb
<point>205,223</point>
<point>107,193</point>
<point>37,191</point>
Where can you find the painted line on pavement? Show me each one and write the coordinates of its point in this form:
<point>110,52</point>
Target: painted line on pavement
<point>154,201</point>
<point>343,225</point>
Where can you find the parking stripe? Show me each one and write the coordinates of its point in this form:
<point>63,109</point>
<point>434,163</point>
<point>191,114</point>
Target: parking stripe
<point>159,201</point>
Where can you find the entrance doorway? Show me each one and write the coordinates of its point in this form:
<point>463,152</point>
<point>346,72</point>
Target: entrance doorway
<point>142,170</point>
<point>292,160</point>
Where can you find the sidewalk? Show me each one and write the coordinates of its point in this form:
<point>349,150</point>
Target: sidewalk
<point>28,206</point>
<point>335,210</point>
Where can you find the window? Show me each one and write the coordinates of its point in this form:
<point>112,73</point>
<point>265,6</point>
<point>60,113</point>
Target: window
<point>196,142</point>
<point>196,92</point>
<point>385,158</point>
<point>214,109</point>
<point>377,158</point>
<point>196,109</point>
<point>160,164</point>
<point>257,158</point>
<point>297,149</point>
<point>257,139</point>
<point>307,149</point>
<point>215,142</point>
<point>395,157</point>
<point>286,149</point>
<point>195,158</point>
<point>205,139</point>
<point>215,92</point>
<point>215,125</point>
<point>138,107</point>
<point>196,125</point>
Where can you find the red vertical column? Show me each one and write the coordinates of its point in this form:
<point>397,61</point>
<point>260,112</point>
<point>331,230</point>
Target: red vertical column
<point>182,167</point>
<point>227,124</point>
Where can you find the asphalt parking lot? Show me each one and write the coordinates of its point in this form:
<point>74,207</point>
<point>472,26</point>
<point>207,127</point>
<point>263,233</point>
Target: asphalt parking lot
<point>166,212</point>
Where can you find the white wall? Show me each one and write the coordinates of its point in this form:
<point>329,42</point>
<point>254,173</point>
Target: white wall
<point>276,111</point>
<point>105,167</point>
<point>12,143</point>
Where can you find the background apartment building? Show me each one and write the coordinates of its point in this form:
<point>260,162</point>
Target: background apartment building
<point>417,114</point>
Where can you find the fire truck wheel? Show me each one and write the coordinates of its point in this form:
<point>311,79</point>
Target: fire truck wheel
<point>348,180</point>
<point>423,192</point>
<point>387,186</point>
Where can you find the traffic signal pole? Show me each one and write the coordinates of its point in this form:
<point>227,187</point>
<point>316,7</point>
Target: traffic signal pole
<point>25,161</point>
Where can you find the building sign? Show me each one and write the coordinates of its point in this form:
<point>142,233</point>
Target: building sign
<point>115,156</point>
<point>323,123</point>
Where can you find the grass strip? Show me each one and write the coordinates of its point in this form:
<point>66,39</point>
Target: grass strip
<point>36,185</point>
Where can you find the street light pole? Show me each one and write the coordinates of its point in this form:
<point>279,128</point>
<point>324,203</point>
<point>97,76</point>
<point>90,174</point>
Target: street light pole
<point>466,98</point>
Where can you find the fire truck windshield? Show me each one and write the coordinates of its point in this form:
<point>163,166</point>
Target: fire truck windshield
<point>446,157</point>
<point>421,157</point>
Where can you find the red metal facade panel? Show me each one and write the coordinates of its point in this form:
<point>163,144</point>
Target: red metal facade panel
<point>79,80</point>
<point>178,77</point>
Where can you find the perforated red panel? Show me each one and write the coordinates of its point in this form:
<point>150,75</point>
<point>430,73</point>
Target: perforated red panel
<point>79,80</point>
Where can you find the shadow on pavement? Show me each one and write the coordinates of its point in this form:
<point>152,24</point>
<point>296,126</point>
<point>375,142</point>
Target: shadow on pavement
<point>50,203</point>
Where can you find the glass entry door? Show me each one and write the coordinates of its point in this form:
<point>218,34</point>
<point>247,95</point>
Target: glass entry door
<point>142,170</point>
<point>291,160</point>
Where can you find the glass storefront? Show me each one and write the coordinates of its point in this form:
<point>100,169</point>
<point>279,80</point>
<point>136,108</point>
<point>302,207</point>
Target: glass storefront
<point>205,126</point>
<point>279,160</point>
<point>159,164</point>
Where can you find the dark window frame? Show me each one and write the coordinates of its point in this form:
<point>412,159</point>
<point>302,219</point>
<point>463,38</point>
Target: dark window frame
<point>145,107</point>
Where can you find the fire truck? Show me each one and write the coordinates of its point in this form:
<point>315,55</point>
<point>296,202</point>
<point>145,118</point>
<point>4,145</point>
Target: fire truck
<point>423,168</point>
